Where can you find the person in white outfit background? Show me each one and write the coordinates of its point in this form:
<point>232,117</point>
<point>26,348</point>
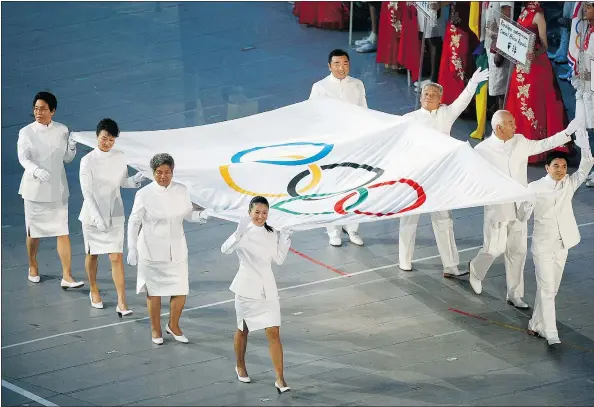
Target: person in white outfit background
<point>157,244</point>
<point>555,232</point>
<point>256,296</point>
<point>505,230</point>
<point>441,118</point>
<point>102,173</point>
<point>339,85</point>
<point>43,147</point>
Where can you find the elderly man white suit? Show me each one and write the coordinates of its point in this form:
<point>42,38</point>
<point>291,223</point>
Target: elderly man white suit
<point>505,230</point>
<point>441,118</point>
<point>555,232</point>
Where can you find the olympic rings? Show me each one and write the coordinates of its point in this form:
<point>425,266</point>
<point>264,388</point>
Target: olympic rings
<point>323,153</point>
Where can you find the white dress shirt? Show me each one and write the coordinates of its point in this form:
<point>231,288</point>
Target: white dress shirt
<point>161,212</point>
<point>101,176</point>
<point>350,90</point>
<point>442,119</point>
<point>511,158</point>
<point>257,249</point>
<point>45,147</point>
<point>554,221</point>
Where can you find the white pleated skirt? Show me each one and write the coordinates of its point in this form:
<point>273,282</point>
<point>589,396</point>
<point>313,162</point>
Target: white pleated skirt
<point>257,314</point>
<point>162,278</point>
<point>46,219</point>
<point>110,241</point>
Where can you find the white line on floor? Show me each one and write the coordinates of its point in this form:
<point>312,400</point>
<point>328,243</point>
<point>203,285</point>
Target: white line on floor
<point>214,304</point>
<point>27,394</point>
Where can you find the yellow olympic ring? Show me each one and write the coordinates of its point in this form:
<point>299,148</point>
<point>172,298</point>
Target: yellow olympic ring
<point>315,169</point>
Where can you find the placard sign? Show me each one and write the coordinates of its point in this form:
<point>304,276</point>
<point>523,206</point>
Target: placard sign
<point>514,42</point>
<point>424,7</point>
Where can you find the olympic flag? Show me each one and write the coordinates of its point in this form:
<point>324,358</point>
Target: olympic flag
<point>322,162</point>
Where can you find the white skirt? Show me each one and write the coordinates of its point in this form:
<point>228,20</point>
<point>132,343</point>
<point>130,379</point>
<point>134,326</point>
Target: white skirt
<point>46,219</point>
<point>257,314</point>
<point>162,278</point>
<point>110,241</point>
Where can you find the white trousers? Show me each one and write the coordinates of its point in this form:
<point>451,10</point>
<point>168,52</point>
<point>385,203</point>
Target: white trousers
<point>511,240</point>
<point>443,228</point>
<point>335,231</point>
<point>549,270</point>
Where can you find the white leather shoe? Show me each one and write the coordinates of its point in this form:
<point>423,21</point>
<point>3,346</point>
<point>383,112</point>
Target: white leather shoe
<point>449,272</point>
<point>67,284</point>
<point>157,341</point>
<point>518,303</point>
<point>98,305</point>
<point>281,389</point>
<point>405,267</point>
<point>476,284</point>
<point>123,313</point>
<point>356,239</point>
<point>242,379</point>
<point>179,338</point>
<point>335,241</point>
<point>33,279</point>
<point>553,341</point>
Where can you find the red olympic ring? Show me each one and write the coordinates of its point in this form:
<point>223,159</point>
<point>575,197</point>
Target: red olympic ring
<point>421,198</point>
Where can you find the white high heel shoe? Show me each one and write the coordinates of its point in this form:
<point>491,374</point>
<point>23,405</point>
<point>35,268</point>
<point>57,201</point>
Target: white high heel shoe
<point>33,279</point>
<point>67,284</point>
<point>179,338</point>
<point>245,379</point>
<point>98,305</point>
<point>124,313</point>
<point>281,389</point>
<point>157,341</point>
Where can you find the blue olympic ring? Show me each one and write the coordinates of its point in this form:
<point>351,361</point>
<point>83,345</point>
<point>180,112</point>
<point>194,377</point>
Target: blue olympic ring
<point>323,153</point>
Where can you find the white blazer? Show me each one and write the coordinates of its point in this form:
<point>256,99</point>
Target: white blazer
<point>161,212</point>
<point>553,210</point>
<point>102,174</point>
<point>44,147</point>
<point>511,158</point>
<point>257,249</point>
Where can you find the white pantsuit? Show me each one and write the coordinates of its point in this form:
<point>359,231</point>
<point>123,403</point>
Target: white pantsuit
<point>504,225</point>
<point>555,232</point>
<point>442,119</point>
<point>155,229</point>
<point>41,147</point>
<point>256,296</point>
<point>350,90</point>
<point>102,174</point>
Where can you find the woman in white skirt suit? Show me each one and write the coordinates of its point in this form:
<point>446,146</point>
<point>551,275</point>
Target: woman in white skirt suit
<point>43,147</point>
<point>256,297</point>
<point>102,173</point>
<point>157,243</point>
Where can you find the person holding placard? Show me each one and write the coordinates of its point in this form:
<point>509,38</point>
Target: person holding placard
<point>534,98</point>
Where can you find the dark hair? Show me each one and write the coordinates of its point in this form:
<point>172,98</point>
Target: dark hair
<point>338,53</point>
<point>48,98</point>
<point>261,200</point>
<point>553,155</point>
<point>162,159</point>
<point>109,126</point>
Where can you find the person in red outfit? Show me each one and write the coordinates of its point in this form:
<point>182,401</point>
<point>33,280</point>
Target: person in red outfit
<point>331,15</point>
<point>409,48</point>
<point>390,30</point>
<point>534,98</point>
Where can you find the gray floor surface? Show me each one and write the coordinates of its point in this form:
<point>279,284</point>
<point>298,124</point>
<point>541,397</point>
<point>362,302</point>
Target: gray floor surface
<point>379,336</point>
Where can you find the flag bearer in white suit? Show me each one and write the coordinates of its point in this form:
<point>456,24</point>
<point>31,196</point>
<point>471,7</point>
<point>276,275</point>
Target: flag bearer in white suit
<point>555,232</point>
<point>505,230</point>
<point>43,147</point>
<point>441,118</point>
<point>157,243</point>
<point>339,85</point>
<point>102,173</point>
<point>256,296</point>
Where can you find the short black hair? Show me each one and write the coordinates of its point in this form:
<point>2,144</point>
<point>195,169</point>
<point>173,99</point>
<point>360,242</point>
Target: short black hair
<point>338,53</point>
<point>48,98</point>
<point>162,159</point>
<point>109,126</point>
<point>553,155</point>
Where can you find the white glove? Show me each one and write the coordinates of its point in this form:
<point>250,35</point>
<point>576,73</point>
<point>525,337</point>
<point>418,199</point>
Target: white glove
<point>286,233</point>
<point>138,178</point>
<point>42,174</point>
<point>479,76</point>
<point>132,257</point>
<point>71,143</point>
<point>526,211</point>
<point>575,125</point>
<point>101,225</point>
<point>243,225</point>
<point>581,139</point>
